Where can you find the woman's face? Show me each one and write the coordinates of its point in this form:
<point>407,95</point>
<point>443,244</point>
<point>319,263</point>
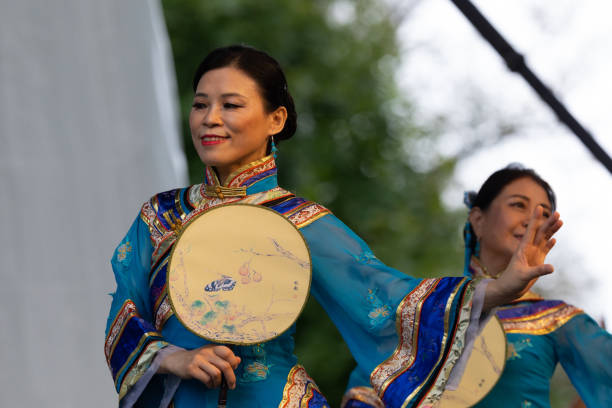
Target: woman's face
<point>502,226</point>
<point>230,126</point>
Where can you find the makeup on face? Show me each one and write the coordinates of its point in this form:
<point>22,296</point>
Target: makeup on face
<point>229,124</point>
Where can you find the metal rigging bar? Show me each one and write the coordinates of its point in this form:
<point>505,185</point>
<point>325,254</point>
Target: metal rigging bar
<point>516,63</point>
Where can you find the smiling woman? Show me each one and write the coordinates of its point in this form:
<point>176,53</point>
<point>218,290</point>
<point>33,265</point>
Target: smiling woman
<point>230,122</point>
<point>540,333</point>
<point>242,108</point>
<point>500,214</point>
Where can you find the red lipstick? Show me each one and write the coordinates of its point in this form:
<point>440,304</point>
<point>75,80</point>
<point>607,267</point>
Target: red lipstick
<point>209,140</point>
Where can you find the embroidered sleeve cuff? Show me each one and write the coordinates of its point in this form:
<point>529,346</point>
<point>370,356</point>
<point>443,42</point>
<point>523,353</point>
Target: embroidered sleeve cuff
<point>478,320</point>
<point>171,382</point>
<point>432,322</point>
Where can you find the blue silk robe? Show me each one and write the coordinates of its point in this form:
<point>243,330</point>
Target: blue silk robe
<point>406,332</point>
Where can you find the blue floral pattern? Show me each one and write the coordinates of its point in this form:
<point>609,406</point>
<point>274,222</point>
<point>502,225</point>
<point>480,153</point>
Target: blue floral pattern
<point>379,312</point>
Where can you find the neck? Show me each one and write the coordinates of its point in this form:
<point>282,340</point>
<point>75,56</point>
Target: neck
<point>222,174</point>
<point>493,264</point>
<point>225,172</point>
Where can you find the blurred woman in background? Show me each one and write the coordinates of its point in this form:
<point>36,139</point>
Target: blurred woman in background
<point>540,332</point>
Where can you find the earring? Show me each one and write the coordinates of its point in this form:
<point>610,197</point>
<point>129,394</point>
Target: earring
<point>273,148</point>
<point>477,248</point>
<point>467,254</point>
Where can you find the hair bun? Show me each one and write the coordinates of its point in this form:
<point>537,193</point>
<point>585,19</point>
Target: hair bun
<point>468,198</point>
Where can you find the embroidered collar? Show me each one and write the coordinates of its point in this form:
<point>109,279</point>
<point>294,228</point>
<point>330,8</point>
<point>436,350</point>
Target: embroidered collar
<point>254,177</point>
<point>477,270</point>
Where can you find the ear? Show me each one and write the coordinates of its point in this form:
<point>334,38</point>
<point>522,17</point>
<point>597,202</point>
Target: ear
<point>476,218</point>
<point>277,120</point>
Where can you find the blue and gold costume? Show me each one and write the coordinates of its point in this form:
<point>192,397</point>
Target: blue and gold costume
<point>406,332</point>
<point>540,334</point>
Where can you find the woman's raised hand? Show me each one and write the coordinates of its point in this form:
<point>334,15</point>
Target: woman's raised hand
<point>205,364</point>
<point>527,263</point>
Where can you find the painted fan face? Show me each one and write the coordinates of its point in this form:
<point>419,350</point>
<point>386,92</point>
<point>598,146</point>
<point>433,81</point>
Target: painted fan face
<point>244,284</point>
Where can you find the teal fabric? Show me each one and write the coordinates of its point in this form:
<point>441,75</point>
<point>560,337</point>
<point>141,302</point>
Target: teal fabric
<point>356,289</point>
<point>582,347</point>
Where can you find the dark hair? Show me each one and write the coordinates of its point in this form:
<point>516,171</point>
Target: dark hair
<point>494,185</point>
<point>264,70</point>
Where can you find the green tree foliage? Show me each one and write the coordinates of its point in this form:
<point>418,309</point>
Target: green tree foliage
<point>355,146</point>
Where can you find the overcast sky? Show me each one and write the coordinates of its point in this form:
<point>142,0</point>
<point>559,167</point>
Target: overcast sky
<point>450,70</point>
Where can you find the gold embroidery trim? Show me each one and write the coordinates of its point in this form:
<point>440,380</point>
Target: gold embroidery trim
<point>407,325</point>
<point>128,309</point>
<point>408,317</point>
<point>458,342</point>
<point>432,393</point>
<point>366,395</point>
<point>137,351</point>
<point>140,366</point>
<point>178,204</point>
<point>538,315</point>
<point>542,323</point>
<point>238,176</point>
<point>308,214</point>
<point>222,192</point>
<point>244,173</point>
<point>173,221</point>
<point>297,209</point>
<point>163,313</point>
<point>299,385</point>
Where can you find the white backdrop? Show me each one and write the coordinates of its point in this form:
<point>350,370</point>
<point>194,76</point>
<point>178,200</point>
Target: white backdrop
<point>88,131</point>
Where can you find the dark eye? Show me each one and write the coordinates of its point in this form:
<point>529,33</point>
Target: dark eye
<point>228,105</point>
<point>518,204</point>
<point>198,105</point>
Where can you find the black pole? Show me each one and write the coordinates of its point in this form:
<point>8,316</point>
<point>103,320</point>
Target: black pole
<point>222,401</point>
<point>516,63</point>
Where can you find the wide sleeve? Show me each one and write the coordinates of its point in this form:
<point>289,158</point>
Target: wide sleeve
<point>132,342</point>
<point>585,352</point>
<point>406,333</point>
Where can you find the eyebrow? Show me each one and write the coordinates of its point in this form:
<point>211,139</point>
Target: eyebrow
<point>527,199</point>
<point>203,95</point>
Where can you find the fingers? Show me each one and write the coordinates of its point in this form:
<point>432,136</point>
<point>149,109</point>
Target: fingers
<point>548,228</point>
<point>227,363</point>
<point>210,363</point>
<point>228,355</point>
<point>199,372</point>
<point>229,375</point>
<point>209,371</point>
<point>540,270</point>
<point>549,245</point>
<point>533,225</point>
<point>215,368</point>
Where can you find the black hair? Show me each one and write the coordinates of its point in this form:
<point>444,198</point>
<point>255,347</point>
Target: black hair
<point>494,185</point>
<point>264,70</point>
